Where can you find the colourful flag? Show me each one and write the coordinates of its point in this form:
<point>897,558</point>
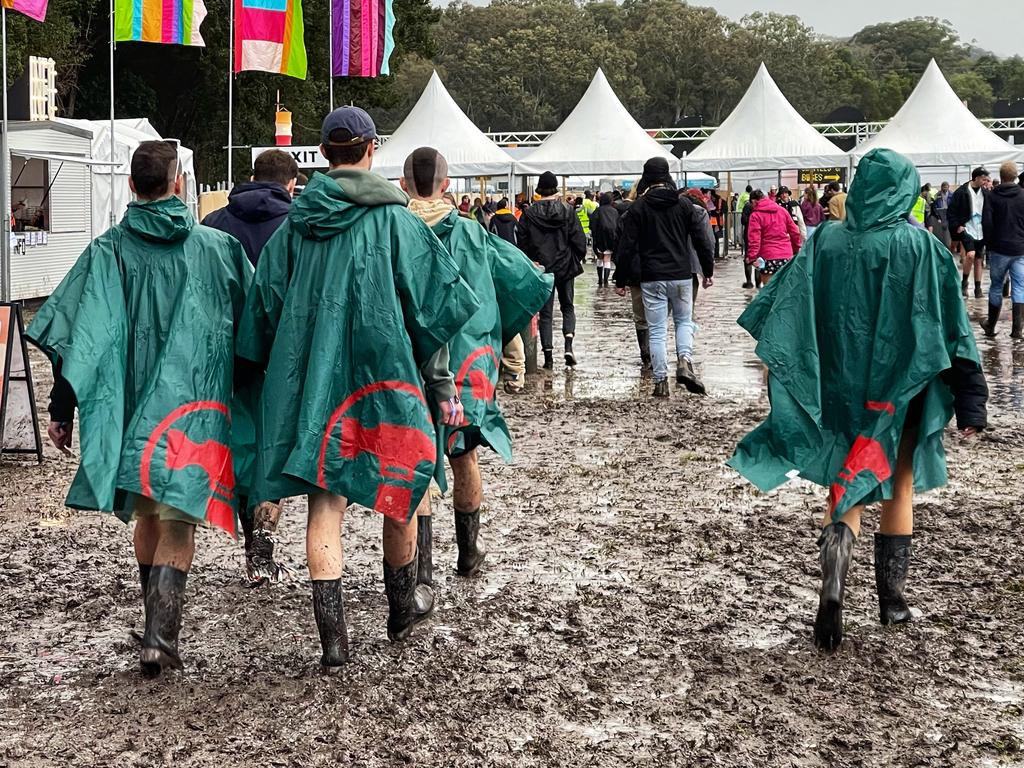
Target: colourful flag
<point>34,9</point>
<point>364,37</point>
<point>268,37</point>
<point>175,22</point>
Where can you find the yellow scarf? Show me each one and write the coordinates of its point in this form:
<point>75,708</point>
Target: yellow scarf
<point>431,211</point>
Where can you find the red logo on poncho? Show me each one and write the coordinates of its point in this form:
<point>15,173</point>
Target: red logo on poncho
<point>480,384</point>
<point>866,455</point>
<point>212,457</point>
<point>399,449</point>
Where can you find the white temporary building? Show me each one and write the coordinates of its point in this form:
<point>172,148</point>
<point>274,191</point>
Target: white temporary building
<point>935,128</point>
<point>598,138</point>
<point>437,121</point>
<point>60,193</point>
<point>764,132</point>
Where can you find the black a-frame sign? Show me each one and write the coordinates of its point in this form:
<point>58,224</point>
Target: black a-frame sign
<point>19,424</point>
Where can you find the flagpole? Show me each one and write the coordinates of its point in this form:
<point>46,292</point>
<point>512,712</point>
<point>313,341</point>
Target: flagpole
<point>5,178</point>
<point>330,67</point>
<point>231,87</point>
<point>113,139</point>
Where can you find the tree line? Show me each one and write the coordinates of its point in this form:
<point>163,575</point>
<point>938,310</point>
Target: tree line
<point>512,65</point>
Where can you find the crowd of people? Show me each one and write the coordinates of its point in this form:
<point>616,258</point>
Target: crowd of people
<point>340,344</point>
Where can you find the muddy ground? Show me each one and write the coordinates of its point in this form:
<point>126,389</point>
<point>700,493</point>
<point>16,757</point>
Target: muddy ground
<point>642,605</point>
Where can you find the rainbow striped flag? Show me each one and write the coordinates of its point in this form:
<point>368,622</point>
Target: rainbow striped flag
<point>269,38</point>
<point>34,9</point>
<point>364,37</point>
<point>175,22</point>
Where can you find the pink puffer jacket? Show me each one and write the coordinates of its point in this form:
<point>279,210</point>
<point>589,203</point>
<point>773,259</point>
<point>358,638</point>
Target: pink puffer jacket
<point>772,234</point>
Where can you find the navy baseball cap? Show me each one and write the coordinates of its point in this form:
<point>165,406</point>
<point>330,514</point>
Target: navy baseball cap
<point>347,127</point>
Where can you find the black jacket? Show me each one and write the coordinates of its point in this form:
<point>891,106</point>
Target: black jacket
<point>550,233</point>
<point>504,226</point>
<point>653,242</point>
<point>254,212</point>
<point>970,393</point>
<point>604,228</point>
<point>1002,220</point>
<point>961,210</point>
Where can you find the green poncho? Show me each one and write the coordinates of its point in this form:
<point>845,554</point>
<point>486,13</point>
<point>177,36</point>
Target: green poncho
<point>864,319</point>
<point>511,290</point>
<point>144,326</point>
<point>353,293</point>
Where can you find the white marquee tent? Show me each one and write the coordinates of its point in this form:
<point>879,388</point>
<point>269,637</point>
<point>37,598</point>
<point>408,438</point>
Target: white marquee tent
<point>437,121</point>
<point>598,138</point>
<point>764,132</point>
<point>935,128</point>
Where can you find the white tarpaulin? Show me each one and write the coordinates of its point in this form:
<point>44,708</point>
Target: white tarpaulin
<point>764,133</point>
<point>935,128</point>
<point>128,134</point>
<point>598,138</point>
<point>437,121</point>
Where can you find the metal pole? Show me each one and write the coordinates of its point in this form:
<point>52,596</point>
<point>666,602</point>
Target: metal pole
<point>330,66</point>
<point>231,87</point>
<point>5,178</point>
<point>113,142</point>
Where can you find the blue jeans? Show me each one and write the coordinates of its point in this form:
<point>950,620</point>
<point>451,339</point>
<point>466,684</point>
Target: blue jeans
<point>998,266</point>
<point>661,297</point>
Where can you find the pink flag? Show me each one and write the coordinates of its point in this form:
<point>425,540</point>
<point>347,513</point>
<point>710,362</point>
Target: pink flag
<point>34,9</point>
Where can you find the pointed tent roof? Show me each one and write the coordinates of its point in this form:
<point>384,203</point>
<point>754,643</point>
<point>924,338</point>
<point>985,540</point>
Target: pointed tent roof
<point>598,137</point>
<point>437,121</point>
<point>763,133</point>
<point>934,128</point>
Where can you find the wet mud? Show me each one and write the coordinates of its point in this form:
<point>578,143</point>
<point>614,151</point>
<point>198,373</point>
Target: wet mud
<point>640,605</point>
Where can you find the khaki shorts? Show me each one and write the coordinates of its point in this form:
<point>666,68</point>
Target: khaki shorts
<point>146,507</point>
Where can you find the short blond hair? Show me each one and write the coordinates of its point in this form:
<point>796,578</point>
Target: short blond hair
<point>1008,172</point>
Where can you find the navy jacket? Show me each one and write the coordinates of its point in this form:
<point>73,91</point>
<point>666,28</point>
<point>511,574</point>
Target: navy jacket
<point>1003,220</point>
<point>254,212</point>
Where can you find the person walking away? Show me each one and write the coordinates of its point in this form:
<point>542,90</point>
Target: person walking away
<point>513,354</point>
<point>785,199</point>
<point>503,222</point>
<point>965,216</point>
<point>748,266</point>
<point>868,358</point>
<point>940,210</point>
<point>772,235</point>
<point>1003,225</point>
<point>628,275</point>
<point>254,211</point>
<point>352,307</point>
<point>698,200</point>
<point>811,209</point>
<point>550,234</point>
<point>653,244</point>
<point>141,337</point>
<point>583,214</point>
<point>604,229</point>
<point>717,217</point>
<point>835,205</point>
<point>510,290</point>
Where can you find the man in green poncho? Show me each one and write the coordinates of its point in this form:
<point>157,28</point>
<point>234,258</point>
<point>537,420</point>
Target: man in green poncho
<point>511,290</point>
<point>869,353</point>
<point>353,304</point>
<point>141,336</point>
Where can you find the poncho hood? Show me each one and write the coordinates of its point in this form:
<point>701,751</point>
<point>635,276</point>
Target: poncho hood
<point>161,221</point>
<point>883,192</point>
<point>332,203</point>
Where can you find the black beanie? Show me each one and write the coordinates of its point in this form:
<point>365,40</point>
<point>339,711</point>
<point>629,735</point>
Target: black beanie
<point>548,182</point>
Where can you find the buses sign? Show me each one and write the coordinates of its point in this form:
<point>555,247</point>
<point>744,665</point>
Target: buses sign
<point>822,175</point>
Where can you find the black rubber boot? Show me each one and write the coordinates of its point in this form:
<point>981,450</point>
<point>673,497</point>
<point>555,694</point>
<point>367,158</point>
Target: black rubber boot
<point>978,293</point>
<point>661,388</point>
<point>686,376</point>
<point>144,571</point>
<point>329,611</point>
<point>892,561</point>
<point>467,537</point>
<point>570,356</point>
<point>963,285</point>
<point>1018,322</point>
<point>549,359</point>
<point>409,603</point>
<point>425,550</point>
<point>643,340</point>
<point>989,325</point>
<point>164,601</point>
<point>748,271</point>
<point>836,543</point>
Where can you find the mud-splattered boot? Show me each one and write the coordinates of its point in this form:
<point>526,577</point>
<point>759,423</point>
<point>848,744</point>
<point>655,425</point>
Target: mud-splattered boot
<point>260,566</point>
<point>1018,322</point>
<point>570,356</point>
<point>892,561</point>
<point>661,388</point>
<point>686,376</point>
<point>989,325</point>
<point>329,611</point>
<point>409,603</point>
<point>836,543</point>
<point>144,571</point>
<point>549,359</point>
<point>963,285</point>
<point>643,340</point>
<point>425,549</point>
<point>164,601</point>
<point>467,536</point>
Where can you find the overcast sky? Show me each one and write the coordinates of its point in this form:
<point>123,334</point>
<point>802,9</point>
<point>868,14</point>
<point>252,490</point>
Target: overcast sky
<point>997,25</point>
